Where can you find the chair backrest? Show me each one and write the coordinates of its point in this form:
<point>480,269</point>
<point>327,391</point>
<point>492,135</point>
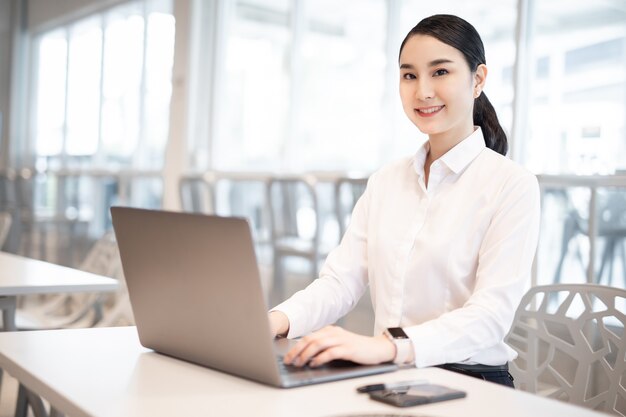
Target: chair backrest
<point>572,345</point>
<point>347,192</point>
<point>294,210</point>
<point>5,226</point>
<point>243,195</point>
<point>104,258</point>
<point>9,204</point>
<point>196,195</point>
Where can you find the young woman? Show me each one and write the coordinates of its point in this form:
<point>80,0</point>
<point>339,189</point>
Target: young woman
<point>444,239</point>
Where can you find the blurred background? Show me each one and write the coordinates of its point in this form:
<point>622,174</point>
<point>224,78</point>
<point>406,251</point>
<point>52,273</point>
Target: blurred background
<point>278,110</point>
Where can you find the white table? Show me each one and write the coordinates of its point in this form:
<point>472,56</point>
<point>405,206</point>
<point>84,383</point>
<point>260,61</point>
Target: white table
<point>23,276</point>
<point>104,372</point>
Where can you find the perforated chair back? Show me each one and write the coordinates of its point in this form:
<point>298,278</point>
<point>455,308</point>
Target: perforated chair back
<point>104,258</point>
<point>572,346</point>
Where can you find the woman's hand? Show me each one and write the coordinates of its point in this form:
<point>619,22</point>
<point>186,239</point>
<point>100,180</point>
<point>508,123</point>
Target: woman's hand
<point>333,342</point>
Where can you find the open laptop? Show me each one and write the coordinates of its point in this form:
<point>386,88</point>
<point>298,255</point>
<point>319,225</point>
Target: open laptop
<point>196,295</point>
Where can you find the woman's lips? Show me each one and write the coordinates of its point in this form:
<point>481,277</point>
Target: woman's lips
<point>429,111</point>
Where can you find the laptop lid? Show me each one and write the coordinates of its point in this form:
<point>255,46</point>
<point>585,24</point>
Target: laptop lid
<point>196,294</point>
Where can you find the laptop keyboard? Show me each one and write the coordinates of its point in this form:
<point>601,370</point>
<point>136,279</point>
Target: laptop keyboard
<point>290,369</point>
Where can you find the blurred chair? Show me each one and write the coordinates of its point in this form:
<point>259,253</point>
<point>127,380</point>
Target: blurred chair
<point>244,194</point>
<point>79,310</point>
<point>295,225</point>
<point>571,345</point>
<point>197,194</point>
<point>347,192</point>
<point>8,204</point>
<point>5,226</point>
<point>611,230</point>
<point>55,232</point>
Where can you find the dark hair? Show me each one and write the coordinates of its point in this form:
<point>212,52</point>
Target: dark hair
<point>456,32</point>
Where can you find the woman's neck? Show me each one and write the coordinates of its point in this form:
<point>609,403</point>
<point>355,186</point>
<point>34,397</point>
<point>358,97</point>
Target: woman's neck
<point>440,144</point>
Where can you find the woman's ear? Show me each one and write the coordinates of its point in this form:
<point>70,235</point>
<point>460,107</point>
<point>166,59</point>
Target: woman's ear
<point>480,77</point>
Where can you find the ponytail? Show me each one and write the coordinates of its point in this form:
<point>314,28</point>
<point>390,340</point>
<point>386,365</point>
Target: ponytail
<point>456,32</point>
<point>485,117</point>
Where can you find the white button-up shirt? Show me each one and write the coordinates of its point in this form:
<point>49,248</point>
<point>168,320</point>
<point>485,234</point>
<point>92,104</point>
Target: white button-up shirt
<point>449,262</point>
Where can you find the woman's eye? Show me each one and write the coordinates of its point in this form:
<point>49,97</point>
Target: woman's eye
<point>440,72</point>
<point>408,76</point>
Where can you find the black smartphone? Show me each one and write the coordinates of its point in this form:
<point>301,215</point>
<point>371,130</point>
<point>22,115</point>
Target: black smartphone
<point>416,395</point>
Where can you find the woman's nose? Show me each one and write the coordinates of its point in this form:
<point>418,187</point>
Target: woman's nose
<point>424,90</point>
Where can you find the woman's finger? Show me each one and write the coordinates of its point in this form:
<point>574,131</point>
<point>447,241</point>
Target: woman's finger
<point>330,354</point>
<point>295,355</point>
<point>315,346</point>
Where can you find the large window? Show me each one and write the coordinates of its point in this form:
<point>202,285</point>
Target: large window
<point>102,89</point>
<point>100,106</point>
<point>575,125</point>
<point>304,86</point>
<point>339,86</point>
<point>253,110</point>
<point>309,85</point>
<point>577,101</point>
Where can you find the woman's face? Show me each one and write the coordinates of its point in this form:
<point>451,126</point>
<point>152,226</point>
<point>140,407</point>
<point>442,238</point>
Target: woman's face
<point>437,88</point>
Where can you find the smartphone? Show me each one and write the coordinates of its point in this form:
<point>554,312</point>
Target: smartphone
<point>416,395</point>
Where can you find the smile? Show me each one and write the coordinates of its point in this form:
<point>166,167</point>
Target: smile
<point>428,111</point>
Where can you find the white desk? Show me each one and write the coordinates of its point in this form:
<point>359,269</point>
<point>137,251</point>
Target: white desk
<point>104,372</point>
<point>22,276</point>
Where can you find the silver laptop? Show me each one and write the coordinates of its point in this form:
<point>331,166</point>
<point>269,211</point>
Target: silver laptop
<point>196,295</point>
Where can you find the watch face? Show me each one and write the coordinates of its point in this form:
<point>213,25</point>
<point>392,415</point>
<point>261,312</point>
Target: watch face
<point>397,333</point>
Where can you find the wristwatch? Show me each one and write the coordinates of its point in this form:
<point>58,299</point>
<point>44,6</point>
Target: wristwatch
<point>404,346</point>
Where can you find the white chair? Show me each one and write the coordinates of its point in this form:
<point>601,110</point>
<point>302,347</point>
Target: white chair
<point>572,345</point>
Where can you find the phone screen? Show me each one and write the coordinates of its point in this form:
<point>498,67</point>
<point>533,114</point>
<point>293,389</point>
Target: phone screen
<point>417,394</point>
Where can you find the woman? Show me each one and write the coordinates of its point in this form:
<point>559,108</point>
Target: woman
<point>445,239</point>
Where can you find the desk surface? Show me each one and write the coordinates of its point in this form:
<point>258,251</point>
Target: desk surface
<point>105,372</point>
<point>21,276</point>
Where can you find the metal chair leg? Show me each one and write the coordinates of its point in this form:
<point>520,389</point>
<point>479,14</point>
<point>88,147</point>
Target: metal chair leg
<point>21,406</point>
<point>26,398</point>
<point>36,404</point>
<point>55,413</point>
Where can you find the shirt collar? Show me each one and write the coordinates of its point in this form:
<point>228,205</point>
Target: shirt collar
<point>457,158</point>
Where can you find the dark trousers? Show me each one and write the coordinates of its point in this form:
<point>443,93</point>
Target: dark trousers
<point>497,374</point>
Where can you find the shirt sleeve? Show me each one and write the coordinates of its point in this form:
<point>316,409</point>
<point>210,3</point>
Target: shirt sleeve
<point>343,279</point>
<point>503,272</point>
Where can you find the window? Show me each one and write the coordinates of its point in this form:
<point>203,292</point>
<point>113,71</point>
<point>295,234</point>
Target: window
<point>307,84</point>
<point>101,95</point>
<point>102,89</point>
<point>339,88</point>
<point>253,110</point>
<point>578,93</point>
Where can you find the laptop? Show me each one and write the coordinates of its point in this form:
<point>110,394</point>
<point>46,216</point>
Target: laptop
<point>196,295</point>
